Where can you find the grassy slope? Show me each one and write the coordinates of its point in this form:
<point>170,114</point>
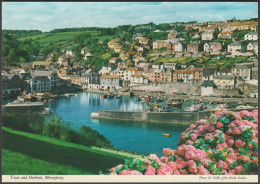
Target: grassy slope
<point>26,153</point>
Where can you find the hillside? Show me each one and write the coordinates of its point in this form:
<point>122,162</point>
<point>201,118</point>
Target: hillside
<point>26,153</point>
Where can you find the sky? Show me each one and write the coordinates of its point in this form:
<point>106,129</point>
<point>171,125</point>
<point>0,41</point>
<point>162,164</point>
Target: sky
<point>46,16</point>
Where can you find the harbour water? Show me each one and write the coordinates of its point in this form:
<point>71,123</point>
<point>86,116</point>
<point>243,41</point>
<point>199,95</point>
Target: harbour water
<point>141,137</point>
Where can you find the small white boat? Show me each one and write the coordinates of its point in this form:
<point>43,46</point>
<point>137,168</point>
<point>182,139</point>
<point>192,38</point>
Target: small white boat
<point>193,108</point>
<point>244,107</point>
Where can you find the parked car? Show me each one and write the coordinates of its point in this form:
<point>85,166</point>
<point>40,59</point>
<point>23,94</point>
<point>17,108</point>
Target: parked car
<point>226,96</point>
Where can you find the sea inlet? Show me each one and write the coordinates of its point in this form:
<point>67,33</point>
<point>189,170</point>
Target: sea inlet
<point>140,137</point>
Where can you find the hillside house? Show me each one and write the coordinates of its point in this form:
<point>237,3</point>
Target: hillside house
<point>253,47</point>
<point>94,81</point>
<point>209,72</point>
<point>131,71</point>
<point>224,71</point>
<point>225,35</point>
<point>207,35</point>
<point>251,36</point>
<point>236,47</point>
<point>193,47</point>
<point>106,69</point>
<point>175,45</point>
<point>157,44</point>
<point>40,63</point>
<point>213,47</point>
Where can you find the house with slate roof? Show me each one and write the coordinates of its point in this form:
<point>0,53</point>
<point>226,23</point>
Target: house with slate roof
<point>213,47</point>
<point>110,82</point>
<point>251,36</point>
<point>11,85</point>
<point>236,47</point>
<point>225,81</point>
<point>40,84</point>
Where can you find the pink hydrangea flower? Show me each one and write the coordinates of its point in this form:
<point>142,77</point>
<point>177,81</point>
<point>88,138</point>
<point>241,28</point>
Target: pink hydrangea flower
<point>134,172</point>
<point>232,156</point>
<point>184,172</point>
<point>189,155</point>
<point>125,172</point>
<point>193,169</point>
<point>222,164</point>
<point>219,125</point>
<point>180,163</point>
<point>150,171</point>
<point>193,137</point>
<point>165,170</point>
<point>189,142</point>
<point>172,165</point>
<point>237,131</point>
<point>164,159</point>
<point>177,172</point>
<point>153,157</point>
<point>167,151</point>
<point>229,131</point>
<point>181,150</point>
<point>239,169</point>
<point>239,143</point>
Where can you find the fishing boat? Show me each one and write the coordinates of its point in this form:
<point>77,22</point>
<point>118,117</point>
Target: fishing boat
<point>103,96</point>
<point>166,135</point>
<point>244,107</point>
<point>118,97</point>
<point>30,98</point>
<point>221,106</point>
<point>176,103</point>
<point>168,109</point>
<point>138,99</point>
<point>193,108</point>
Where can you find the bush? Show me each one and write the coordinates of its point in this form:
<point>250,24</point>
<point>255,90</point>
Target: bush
<point>226,143</point>
<point>33,123</point>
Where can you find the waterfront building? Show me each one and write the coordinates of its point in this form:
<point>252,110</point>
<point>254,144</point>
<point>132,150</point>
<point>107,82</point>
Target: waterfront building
<point>74,79</point>
<point>40,84</point>
<point>131,71</point>
<point>52,76</point>
<point>207,88</point>
<point>85,80</point>
<point>138,79</point>
<point>225,81</point>
<point>11,85</point>
<point>157,75</point>
<point>94,81</point>
<point>109,82</point>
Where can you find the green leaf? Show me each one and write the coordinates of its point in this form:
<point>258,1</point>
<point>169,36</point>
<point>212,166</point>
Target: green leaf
<point>100,172</point>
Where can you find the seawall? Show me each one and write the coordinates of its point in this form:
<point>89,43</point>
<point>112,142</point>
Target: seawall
<point>37,107</point>
<point>185,118</point>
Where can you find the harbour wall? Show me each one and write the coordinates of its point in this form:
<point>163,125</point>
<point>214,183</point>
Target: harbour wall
<point>185,118</point>
<point>37,107</point>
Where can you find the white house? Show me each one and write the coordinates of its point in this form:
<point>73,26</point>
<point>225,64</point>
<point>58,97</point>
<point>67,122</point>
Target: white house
<point>40,84</point>
<point>52,76</point>
<point>251,36</point>
<point>131,71</point>
<point>106,69</point>
<point>208,35</point>
<point>138,79</point>
<point>253,47</point>
<point>236,47</point>
<point>207,88</point>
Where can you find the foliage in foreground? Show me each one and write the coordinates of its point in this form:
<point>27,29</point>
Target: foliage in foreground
<point>225,143</point>
<point>28,153</point>
<point>55,127</point>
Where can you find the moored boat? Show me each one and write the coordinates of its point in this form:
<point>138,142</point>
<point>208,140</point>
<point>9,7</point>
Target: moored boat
<point>166,134</point>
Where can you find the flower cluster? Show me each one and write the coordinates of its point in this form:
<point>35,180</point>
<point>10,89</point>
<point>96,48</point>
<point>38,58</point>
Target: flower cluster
<point>224,143</point>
